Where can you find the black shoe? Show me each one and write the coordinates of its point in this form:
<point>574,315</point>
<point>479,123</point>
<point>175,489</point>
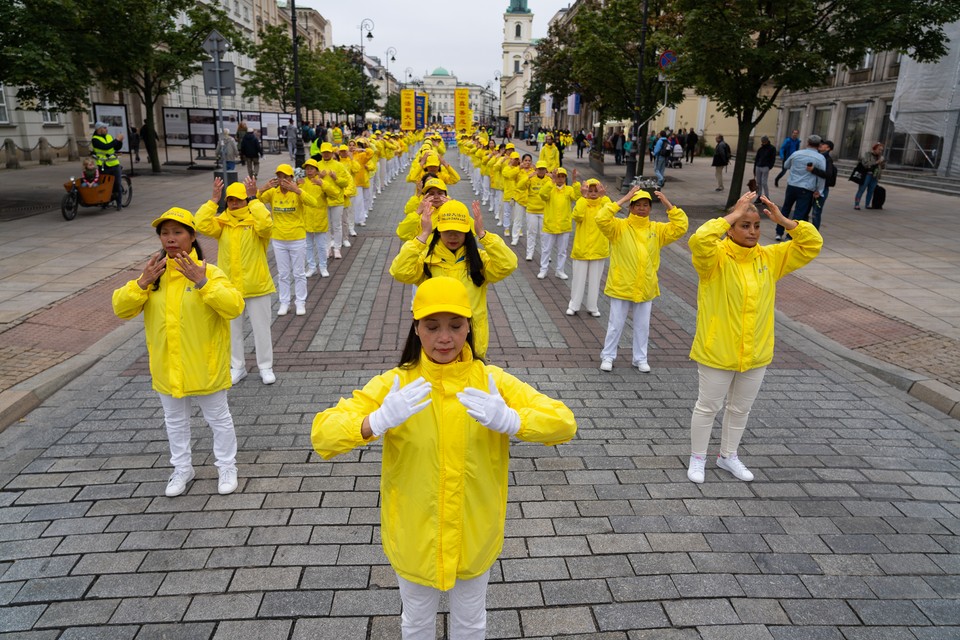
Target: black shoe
<point>719,189</point>
<point>776,182</point>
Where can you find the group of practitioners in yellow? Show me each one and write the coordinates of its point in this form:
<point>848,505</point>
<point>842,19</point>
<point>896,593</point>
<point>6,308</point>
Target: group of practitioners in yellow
<point>443,415</point>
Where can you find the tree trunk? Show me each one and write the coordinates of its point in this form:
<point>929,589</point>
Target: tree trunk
<point>744,126</point>
<point>151,134</point>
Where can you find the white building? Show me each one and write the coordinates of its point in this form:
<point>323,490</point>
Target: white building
<point>519,51</point>
<point>439,87</point>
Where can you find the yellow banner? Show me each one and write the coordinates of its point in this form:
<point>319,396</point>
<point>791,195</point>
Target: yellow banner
<point>407,110</point>
<point>461,105</point>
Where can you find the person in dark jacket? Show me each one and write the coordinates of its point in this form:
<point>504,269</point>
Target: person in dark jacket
<point>690,145</point>
<point>721,158</point>
<point>829,175</point>
<point>765,161</point>
<point>251,151</point>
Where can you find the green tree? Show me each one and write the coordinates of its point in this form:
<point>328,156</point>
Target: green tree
<point>392,108</point>
<point>272,77</point>
<point>743,53</point>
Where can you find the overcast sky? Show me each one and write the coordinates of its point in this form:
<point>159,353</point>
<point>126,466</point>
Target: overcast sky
<point>457,35</point>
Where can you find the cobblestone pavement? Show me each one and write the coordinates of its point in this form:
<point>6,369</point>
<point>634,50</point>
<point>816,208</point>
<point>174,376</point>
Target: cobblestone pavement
<point>851,530</point>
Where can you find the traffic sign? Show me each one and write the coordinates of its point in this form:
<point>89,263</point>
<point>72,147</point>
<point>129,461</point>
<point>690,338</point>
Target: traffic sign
<point>215,43</point>
<point>226,82</point>
<point>667,59</point>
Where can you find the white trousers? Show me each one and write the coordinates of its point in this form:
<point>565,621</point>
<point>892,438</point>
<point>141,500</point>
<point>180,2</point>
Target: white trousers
<point>641,329</point>
<point>497,203</point>
<point>468,609</point>
<point>739,389</point>
<point>368,200</point>
<point>381,174</point>
<point>562,241</point>
<point>475,179</point>
<point>359,207</point>
<point>586,275</point>
<point>335,216</point>
<point>507,211</point>
<point>176,415</point>
<point>486,188</point>
<point>317,245</point>
<point>519,217</point>
<point>290,256</point>
<point>258,310</point>
<point>534,232</point>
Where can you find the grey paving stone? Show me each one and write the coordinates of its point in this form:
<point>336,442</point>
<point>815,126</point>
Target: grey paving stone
<point>568,592</point>
<point>773,586</point>
<point>889,612</point>
<point>842,565</point>
<point>180,631</point>
<point>701,611</point>
<point>837,587</point>
<point>339,628</point>
<point>816,611</point>
<point>155,609</point>
<point>635,588</point>
<point>31,568</point>
<point>333,578</point>
<point>940,612</point>
<point>50,589</point>
<point>92,543</point>
<point>295,604</point>
<point>805,633</point>
<point>265,579</point>
<point>197,581</point>
<point>126,585</point>
<point>599,567</point>
<point>906,564</point>
<point>101,633</point>
<point>20,618</point>
<point>17,549</point>
<point>78,612</point>
<point>525,570</point>
<point>260,629</point>
<point>601,544</point>
<point>759,611</point>
<point>717,562</point>
<point>175,560</point>
<point>225,606</point>
<point>510,595</point>
<point>786,563</point>
<point>707,586</point>
<point>370,603</point>
<point>240,557</point>
<point>664,634</point>
<point>550,622</point>
<point>900,587</point>
<point>735,632</point>
<point>149,540</point>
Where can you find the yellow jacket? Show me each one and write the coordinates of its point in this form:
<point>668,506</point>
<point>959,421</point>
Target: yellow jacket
<point>498,262</point>
<point>737,290</point>
<point>365,167</point>
<point>550,154</point>
<point>287,212</point>
<point>535,204</point>
<point>558,212</point>
<point>588,242</point>
<point>341,179</point>
<point>187,329</point>
<point>242,238</point>
<point>496,172</point>
<point>510,174</point>
<point>635,244</point>
<point>444,476</point>
<point>315,218</point>
<point>521,188</point>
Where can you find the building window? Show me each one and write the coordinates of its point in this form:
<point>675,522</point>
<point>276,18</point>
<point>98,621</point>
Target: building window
<point>48,115</point>
<point>3,104</point>
<point>793,121</point>
<point>853,129</point>
<point>516,65</point>
<point>195,96</point>
<point>821,121</point>
<point>867,59</point>
<point>518,32</point>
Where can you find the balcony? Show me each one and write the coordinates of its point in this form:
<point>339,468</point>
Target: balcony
<point>859,76</point>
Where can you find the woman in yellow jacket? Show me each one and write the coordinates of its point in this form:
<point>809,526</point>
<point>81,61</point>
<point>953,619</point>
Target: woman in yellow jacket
<point>353,206</point>
<point>590,249</point>
<point>472,255</point>
<point>734,340</point>
<point>316,219</point>
<point>495,165</point>
<point>511,173</point>
<point>446,420</point>
<point>243,233</point>
<point>434,193</point>
<point>535,208</point>
<point>187,307</point>
<point>549,153</point>
<point>632,282</point>
<point>559,198</point>
<point>521,195</point>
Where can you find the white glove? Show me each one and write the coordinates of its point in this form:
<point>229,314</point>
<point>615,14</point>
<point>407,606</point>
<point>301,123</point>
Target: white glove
<point>489,409</point>
<point>399,405</point>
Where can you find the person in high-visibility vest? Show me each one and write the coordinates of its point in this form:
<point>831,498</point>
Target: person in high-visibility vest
<point>105,148</point>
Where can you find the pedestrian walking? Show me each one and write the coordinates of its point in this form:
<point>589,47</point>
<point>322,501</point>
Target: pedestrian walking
<point>873,165</point>
<point>227,151</point>
<point>133,137</point>
<point>444,470</point>
<point>765,160</point>
<point>590,249</point>
<point>242,232</point>
<point>187,306</point>
<point>632,283</point>
<point>721,158</point>
<point>462,248</point>
<point>691,145</point>
<point>735,321</point>
<point>251,151</point>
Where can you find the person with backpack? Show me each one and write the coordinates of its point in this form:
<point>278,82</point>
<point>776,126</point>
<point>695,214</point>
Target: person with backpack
<point>829,175</point>
<point>721,158</point>
<point>662,151</point>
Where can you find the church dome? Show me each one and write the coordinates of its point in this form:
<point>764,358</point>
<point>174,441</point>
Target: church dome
<point>440,71</point>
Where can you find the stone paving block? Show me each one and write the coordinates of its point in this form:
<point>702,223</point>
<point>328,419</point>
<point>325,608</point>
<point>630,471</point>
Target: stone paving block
<point>797,543</point>
<point>223,606</point>
<point>155,609</point>
<point>181,631</point>
<point>759,611</point>
<point>368,603</point>
<point>936,633</point>
<point>945,586</point>
<point>17,549</point>
<point>513,595</point>
<point>295,604</point>
<point>148,540</point>
<point>707,586</point>
<point>570,592</point>
<point>817,611</point>
<point>701,611</point>
<point>306,555</point>
<point>261,629</point>
<point>717,562</point>
<point>222,537</point>
<point>534,569</point>
<point>78,612</point>
<point>786,563</point>
<point>550,622</point>
<point>642,588</point>
<point>265,579</point>
<point>664,634</point>
<point>660,563</point>
<point>843,565</point>
<point>889,612</point>
<point>877,633</point>
<point>805,633</point>
<point>906,564</point>
<point>122,506</point>
<point>863,543</point>
<point>50,589</point>
<point>334,578</point>
<point>668,542</point>
<point>599,567</point>
<point>112,632</point>
<point>240,557</point>
<point>31,568</point>
<point>20,618</point>
<point>197,581</point>
<point>176,560</point>
<point>341,535</point>
<point>940,612</point>
<point>339,628</point>
<point>837,587</point>
<point>900,587</point>
<point>773,586</point>
<point>601,544</point>
<point>91,543</point>
<point>737,542</point>
<point>735,632</point>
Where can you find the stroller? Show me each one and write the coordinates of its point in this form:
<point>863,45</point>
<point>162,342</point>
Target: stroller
<point>676,159</point>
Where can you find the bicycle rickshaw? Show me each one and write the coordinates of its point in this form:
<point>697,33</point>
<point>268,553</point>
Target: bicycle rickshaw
<point>100,195</point>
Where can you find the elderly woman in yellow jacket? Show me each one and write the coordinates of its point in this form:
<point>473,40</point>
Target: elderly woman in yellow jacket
<point>243,233</point>
<point>316,218</point>
<point>549,153</point>
<point>535,208</point>
<point>558,198</point>
<point>446,420</point>
<point>734,340</point>
<point>187,307</point>
<point>632,281</point>
<point>521,196</point>
<point>590,249</point>
<point>459,247</point>
<point>511,174</point>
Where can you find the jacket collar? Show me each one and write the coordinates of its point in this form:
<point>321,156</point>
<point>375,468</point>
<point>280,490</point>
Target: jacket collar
<point>740,253</point>
<point>638,222</point>
<point>454,370</point>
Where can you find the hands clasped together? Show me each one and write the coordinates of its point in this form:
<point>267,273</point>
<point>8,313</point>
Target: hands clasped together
<point>486,407</point>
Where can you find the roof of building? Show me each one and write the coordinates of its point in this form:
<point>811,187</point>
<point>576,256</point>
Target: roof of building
<point>440,71</point>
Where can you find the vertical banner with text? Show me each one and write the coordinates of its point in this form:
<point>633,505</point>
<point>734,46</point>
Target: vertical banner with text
<point>420,107</point>
<point>407,113</point>
<point>461,105</point>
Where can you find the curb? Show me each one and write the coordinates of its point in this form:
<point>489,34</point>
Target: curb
<point>19,400</point>
<point>928,390</point>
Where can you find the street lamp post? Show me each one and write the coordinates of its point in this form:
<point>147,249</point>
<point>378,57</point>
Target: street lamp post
<point>365,25</point>
<point>390,57</point>
<point>407,76</point>
<point>298,154</point>
<point>637,147</point>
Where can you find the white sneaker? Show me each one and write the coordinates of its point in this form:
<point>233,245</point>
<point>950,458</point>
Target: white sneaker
<point>346,243</point>
<point>529,258</point>
<point>284,308</point>
<point>228,481</point>
<point>570,311</point>
<point>336,254</point>
<point>734,466</point>
<point>363,224</point>
<point>541,275</point>
<point>595,314</point>
<point>354,233</point>
<point>562,275</point>
<point>268,376</point>
<point>695,470</point>
<point>324,273</point>
<point>236,375</point>
<point>310,272</point>
<point>301,309</point>
<point>515,241</point>
<point>178,482</point>
<point>606,365</point>
<point>643,367</point>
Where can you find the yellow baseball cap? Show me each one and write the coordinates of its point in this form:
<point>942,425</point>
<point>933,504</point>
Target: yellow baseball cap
<point>640,195</point>
<point>453,215</point>
<point>432,161</point>
<point>310,162</point>
<point>515,155</point>
<point>177,214</point>
<point>441,295</point>
<point>542,165</point>
<point>561,171</point>
<point>592,181</point>
<point>343,147</point>
<point>326,147</point>
<point>286,169</point>
<point>237,190</point>
<point>435,183</point>
<point>510,145</point>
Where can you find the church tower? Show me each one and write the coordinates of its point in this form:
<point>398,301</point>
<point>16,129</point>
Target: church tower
<point>517,40</point>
